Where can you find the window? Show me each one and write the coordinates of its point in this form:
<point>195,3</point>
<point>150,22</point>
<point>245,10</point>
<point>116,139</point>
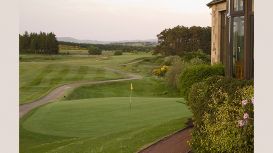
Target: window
<point>252,6</point>
<point>238,5</point>
<point>223,38</point>
<point>238,47</point>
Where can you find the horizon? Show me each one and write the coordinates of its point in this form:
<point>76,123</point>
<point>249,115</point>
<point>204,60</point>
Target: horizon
<point>111,20</point>
<point>132,40</point>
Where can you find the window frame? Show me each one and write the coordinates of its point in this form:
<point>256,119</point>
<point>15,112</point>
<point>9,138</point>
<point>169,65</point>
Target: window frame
<point>231,15</point>
<point>248,49</point>
<point>236,13</point>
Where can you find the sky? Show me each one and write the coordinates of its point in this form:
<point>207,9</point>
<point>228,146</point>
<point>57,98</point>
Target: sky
<point>111,20</point>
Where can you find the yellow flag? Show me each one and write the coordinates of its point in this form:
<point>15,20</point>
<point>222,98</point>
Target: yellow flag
<point>132,86</point>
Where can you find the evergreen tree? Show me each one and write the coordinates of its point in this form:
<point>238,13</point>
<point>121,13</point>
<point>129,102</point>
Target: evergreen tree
<point>180,40</point>
<point>42,43</point>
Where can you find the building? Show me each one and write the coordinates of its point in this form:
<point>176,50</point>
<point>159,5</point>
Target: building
<point>233,36</point>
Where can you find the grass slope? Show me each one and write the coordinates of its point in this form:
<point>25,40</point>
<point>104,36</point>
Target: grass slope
<point>147,87</point>
<point>101,125</point>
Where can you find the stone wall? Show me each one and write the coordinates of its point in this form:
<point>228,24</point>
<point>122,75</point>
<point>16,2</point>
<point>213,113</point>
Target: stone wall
<point>216,31</point>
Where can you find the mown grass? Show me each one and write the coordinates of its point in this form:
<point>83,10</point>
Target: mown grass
<point>101,125</point>
<point>39,74</point>
<point>97,118</point>
<point>40,78</point>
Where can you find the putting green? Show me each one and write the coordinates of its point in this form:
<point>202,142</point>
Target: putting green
<point>103,116</point>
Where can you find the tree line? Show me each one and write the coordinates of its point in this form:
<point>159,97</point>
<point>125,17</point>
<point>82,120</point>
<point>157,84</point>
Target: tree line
<point>180,40</point>
<point>110,47</point>
<point>38,43</point>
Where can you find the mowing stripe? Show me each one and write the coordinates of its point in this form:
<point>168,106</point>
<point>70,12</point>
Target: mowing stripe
<point>38,79</point>
<point>100,74</point>
<point>81,72</point>
<point>60,75</point>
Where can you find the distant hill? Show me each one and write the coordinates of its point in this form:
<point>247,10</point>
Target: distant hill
<point>148,42</point>
<point>136,43</point>
<point>74,40</point>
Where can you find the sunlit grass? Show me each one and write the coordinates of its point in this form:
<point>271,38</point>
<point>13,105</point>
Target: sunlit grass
<point>101,124</point>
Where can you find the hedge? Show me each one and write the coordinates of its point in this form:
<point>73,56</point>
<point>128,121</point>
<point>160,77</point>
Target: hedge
<point>197,73</point>
<point>219,106</point>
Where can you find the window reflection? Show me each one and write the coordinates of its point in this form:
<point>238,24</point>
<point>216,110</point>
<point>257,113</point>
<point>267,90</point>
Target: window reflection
<point>238,5</point>
<point>252,5</point>
<point>238,47</point>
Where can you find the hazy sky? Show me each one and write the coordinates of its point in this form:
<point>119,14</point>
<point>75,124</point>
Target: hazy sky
<point>111,19</point>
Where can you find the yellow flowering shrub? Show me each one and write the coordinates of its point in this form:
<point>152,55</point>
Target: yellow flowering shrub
<point>160,72</point>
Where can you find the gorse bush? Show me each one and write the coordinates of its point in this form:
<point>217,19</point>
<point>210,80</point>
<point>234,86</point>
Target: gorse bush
<point>160,72</point>
<point>223,115</point>
<point>118,53</point>
<point>197,73</point>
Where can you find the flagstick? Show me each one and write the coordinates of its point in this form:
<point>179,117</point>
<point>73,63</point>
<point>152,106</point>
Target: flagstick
<point>130,100</point>
<point>131,96</point>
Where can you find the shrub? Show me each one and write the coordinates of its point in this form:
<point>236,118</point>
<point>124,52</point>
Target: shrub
<point>178,68</point>
<point>118,53</point>
<point>170,60</point>
<point>218,105</point>
<point>92,50</point>
<point>197,73</point>
<point>197,61</point>
<point>161,71</point>
<point>198,54</point>
<point>174,72</point>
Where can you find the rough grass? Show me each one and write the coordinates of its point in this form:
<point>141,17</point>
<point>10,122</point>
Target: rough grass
<point>143,66</point>
<point>103,125</point>
<point>147,87</point>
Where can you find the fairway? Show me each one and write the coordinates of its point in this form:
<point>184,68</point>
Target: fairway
<point>40,74</point>
<point>101,124</point>
<point>41,78</point>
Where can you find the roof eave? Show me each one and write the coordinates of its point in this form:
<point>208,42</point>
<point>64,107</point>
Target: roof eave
<point>215,2</point>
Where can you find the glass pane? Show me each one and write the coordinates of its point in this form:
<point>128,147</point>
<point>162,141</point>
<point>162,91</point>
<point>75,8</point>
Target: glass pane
<point>223,40</point>
<point>252,5</point>
<point>238,47</point>
<point>238,5</point>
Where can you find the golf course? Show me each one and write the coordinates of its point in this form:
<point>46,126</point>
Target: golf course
<point>109,112</point>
